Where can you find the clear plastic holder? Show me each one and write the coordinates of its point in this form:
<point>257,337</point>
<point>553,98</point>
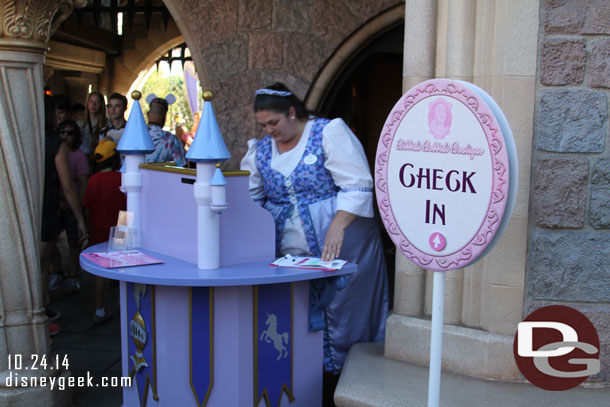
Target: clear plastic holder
<point>120,238</point>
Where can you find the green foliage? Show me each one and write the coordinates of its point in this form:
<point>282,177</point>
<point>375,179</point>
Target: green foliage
<point>162,86</point>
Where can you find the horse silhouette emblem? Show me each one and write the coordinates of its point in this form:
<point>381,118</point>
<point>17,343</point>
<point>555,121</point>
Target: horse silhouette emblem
<point>271,334</point>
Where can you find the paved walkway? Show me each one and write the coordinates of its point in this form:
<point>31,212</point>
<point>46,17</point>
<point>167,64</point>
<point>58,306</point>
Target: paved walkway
<point>90,349</point>
<point>369,379</point>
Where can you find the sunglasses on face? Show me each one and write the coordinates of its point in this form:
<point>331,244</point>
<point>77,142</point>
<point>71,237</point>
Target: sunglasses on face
<point>68,132</point>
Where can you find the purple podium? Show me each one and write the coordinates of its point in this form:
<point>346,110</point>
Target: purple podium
<point>233,336</point>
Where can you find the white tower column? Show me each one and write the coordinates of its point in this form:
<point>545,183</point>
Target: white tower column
<point>208,221</point>
<point>132,181</point>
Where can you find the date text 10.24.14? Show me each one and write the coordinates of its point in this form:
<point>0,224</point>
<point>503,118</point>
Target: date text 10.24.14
<point>37,362</point>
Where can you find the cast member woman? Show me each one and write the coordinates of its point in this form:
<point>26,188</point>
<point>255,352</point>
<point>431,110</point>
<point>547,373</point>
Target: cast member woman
<point>312,175</point>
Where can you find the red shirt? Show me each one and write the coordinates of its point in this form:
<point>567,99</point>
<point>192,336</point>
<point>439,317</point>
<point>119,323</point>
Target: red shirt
<point>104,201</point>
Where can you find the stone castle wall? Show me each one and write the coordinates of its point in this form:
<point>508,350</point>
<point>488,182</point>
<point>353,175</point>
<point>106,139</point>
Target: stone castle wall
<point>247,44</point>
<point>569,243</point>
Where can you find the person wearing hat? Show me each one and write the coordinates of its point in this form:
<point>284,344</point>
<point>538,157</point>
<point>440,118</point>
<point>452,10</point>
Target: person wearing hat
<point>167,145</point>
<point>103,200</point>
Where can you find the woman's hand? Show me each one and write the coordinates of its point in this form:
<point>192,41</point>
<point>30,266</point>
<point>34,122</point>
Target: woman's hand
<point>333,242</point>
<point>335,234</point>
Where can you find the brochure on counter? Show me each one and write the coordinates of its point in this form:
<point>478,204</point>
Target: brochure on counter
<point>125,258</point>
<point>308,262</point>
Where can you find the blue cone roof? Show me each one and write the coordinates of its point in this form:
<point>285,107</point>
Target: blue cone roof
<point>208,144</point>
<point>218,179</point>
<point>135,138</point>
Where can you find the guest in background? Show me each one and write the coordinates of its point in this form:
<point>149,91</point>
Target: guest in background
<point>182,135</point>
<point>103,200</point>
<point>78,114</point>
<point>62,112</point>
<point>62,107</point>
<point>196,119</point>
<point>117,105</point>
<point>95,121</point>
<point>70,133</point>
<point>167,146</point>
<point>57,178</point>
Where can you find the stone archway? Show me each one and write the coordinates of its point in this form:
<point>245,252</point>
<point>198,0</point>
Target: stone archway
<point>133,62</point>
<point>175,8</point>
<point>131,67</point>
<point>347,50</point>
<point>360,83</point>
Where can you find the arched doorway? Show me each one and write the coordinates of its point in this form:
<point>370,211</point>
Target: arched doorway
<point>366,89</point>
<point>362,92</point>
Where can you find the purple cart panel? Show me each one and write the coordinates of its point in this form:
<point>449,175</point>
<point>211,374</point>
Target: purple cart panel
<point>247,231</point>
<point>233,349</point>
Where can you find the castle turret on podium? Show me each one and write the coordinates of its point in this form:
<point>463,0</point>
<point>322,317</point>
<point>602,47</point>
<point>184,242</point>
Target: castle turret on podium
<point>135,143</point>
<point>208,150</point>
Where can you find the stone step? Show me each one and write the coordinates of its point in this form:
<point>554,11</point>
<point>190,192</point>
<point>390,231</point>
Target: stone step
<point>369,379</point>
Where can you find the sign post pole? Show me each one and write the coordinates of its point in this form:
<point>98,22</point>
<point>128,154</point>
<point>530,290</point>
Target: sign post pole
<point>436,339</point>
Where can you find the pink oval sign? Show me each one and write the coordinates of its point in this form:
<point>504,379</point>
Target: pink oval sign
<point>442,174</point>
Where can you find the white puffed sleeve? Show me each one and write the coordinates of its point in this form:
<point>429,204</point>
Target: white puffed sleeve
<point>248,163</point>
<point>346,162</point>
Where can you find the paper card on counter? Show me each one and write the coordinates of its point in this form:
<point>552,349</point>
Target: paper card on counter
<point>307,262</point>
<point>124,221</point>
<point>124,258</point>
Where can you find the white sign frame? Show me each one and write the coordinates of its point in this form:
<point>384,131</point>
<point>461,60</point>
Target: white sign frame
<point>502,170</point>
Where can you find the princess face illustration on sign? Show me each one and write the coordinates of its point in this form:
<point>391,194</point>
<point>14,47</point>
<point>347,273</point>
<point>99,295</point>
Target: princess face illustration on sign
<point>439,118</point>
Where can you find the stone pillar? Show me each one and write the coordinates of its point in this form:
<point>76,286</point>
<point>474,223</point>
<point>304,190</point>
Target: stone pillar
<point>418,66</point>
<point>434,44</point>
<point>24,31</point>
<point>419,44</point>
<point>455,56</point>
<point>458,45</point>
<point>492,44</point>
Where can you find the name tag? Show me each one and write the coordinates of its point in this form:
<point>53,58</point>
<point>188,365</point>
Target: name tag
<point>310,159</point>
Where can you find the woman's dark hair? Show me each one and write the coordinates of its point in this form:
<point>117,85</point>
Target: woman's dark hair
<point>78,136</point>
<point>280,104</point>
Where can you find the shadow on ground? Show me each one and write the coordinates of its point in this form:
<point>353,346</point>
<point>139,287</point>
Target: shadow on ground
<point>93,350</point>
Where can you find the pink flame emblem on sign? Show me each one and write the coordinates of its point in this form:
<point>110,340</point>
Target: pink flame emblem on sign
<point>439,118</point>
